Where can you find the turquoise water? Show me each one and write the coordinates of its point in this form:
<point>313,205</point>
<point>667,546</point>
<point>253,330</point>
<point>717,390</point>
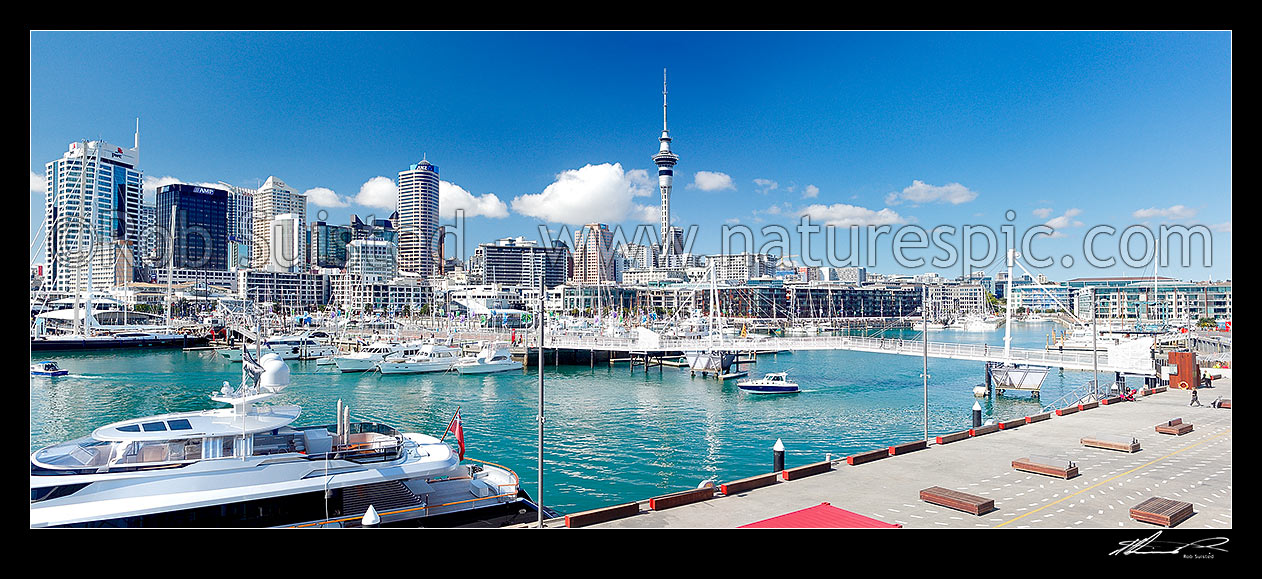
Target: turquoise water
<point>611,435</point>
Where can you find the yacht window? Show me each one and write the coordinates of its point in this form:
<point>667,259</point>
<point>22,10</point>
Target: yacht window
<point>180,424</point>
<point>154,426</point>
<point>129,428</point>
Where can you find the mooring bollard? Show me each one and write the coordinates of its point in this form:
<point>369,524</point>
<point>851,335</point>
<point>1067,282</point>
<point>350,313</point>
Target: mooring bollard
<point>977,414</point>
<point>777,454</point>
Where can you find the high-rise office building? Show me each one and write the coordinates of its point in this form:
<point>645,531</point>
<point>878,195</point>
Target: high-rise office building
<point>288,239</point>
<point>92,201</point>
<point>418,218</point>
<point>593,255</point>
<point>240,225</point>
<point>274,198</point>
<point>200,228</point>
<point>520,262</point>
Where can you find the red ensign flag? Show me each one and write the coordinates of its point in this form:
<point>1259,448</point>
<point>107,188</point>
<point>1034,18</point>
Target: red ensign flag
<point>459,429</point>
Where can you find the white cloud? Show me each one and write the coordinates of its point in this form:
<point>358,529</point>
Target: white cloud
<point>1172,212</point>
<point>811,192</point>
<point>380,193</point>
<point>843,215</point>
<point>711,181</point>
<point>773,210</point>
<point>594,193</point>
<point>325,197</point>
<point>920,192</point>
<point>1042,212</point>
<point>1223,227</point>
<point>766,185</point>
<point>1064,221</point>
<point>37,183</point>
<point>452,197</point>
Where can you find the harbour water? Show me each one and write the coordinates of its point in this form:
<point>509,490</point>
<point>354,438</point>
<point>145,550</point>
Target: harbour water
<point>611,435</point>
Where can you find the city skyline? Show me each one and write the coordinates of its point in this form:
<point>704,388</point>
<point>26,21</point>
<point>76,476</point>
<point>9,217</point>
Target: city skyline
<point>919,130</point>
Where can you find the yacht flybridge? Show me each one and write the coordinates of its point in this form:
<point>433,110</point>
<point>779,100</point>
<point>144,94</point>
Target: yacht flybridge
<point>247,466</point>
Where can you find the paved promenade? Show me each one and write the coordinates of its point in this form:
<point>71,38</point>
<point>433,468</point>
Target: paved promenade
<point>1194,467</point>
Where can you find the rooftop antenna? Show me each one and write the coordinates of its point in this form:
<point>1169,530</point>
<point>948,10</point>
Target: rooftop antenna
<point>663,99</point>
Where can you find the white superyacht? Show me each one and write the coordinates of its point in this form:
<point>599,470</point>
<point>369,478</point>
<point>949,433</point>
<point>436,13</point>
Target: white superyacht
<point>246,466</point>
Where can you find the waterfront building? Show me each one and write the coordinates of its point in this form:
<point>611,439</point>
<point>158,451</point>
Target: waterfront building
<point>418,218</point>
<point>593,255</point>
<point>647,275</point>
<point>272,200</point>
<point>372,260</point>
<point>290,289</point>
<point>1042,297</point>
<point>947,302</point>
<point>218,278</point>
<point>200,229</point>
<point>406,294</point>
<point>1139,300</point>
<point>741,267</point>
<point>92,199</point>
<point>665,161</point>
<point>520,262</point>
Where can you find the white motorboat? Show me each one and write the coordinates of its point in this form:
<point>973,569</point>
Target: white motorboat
<point>431,358</point>
<point>770,383</point>
<point>248,466</point>
<point>494,357</point>
<point>367,358</point>
<point>296,347</point>
<point>47,368</point>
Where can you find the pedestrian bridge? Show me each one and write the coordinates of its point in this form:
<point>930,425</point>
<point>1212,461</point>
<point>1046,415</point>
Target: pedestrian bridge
<point>1127,364</point>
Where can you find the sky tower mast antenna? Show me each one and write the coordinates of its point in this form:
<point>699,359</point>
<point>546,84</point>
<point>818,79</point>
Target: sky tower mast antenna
<point>663,99</point>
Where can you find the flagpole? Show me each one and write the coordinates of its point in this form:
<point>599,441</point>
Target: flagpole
<point>539,500</point>
<point>449,423</point>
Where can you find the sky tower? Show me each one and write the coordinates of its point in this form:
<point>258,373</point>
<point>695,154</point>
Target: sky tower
<point>665,161</point>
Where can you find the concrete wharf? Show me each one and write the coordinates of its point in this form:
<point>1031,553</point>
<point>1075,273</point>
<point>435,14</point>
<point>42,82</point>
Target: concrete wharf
<point>1193,467</point>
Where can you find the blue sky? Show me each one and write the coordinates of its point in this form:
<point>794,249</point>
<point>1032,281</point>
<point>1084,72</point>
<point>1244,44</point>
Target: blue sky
<point>910,130</point>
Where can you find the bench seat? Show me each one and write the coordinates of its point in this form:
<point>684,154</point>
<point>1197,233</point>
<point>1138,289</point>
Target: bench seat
<point>957,500</point>
<point>1159,511</point>
<point>1124,443</point>
<point>1047,466</point>
<point>1176,427</point>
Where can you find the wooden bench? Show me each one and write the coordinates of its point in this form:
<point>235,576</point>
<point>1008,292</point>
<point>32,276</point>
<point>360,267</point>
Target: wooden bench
<point>868,456</point>
<point>1062,468</point>
<point>1111,400</point>
<point>1064,411</point>
<point>1161,389</point>
<point>1122,443</point>
<point>753,482</point>
<point>1037,417</point>
<point>1088,406</point>
<point>907,447</point>
<point>1159,511</point>
<point>954,436</point>
<point>1176,427</point>
<point>807,470</point>
<point>980,430</point>
<point>681,498</point>
<point>1012,423</point>
<point>1222,403</point>
<point>957,500</point>
<point>1146,392</point>
<point>601,515</point>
